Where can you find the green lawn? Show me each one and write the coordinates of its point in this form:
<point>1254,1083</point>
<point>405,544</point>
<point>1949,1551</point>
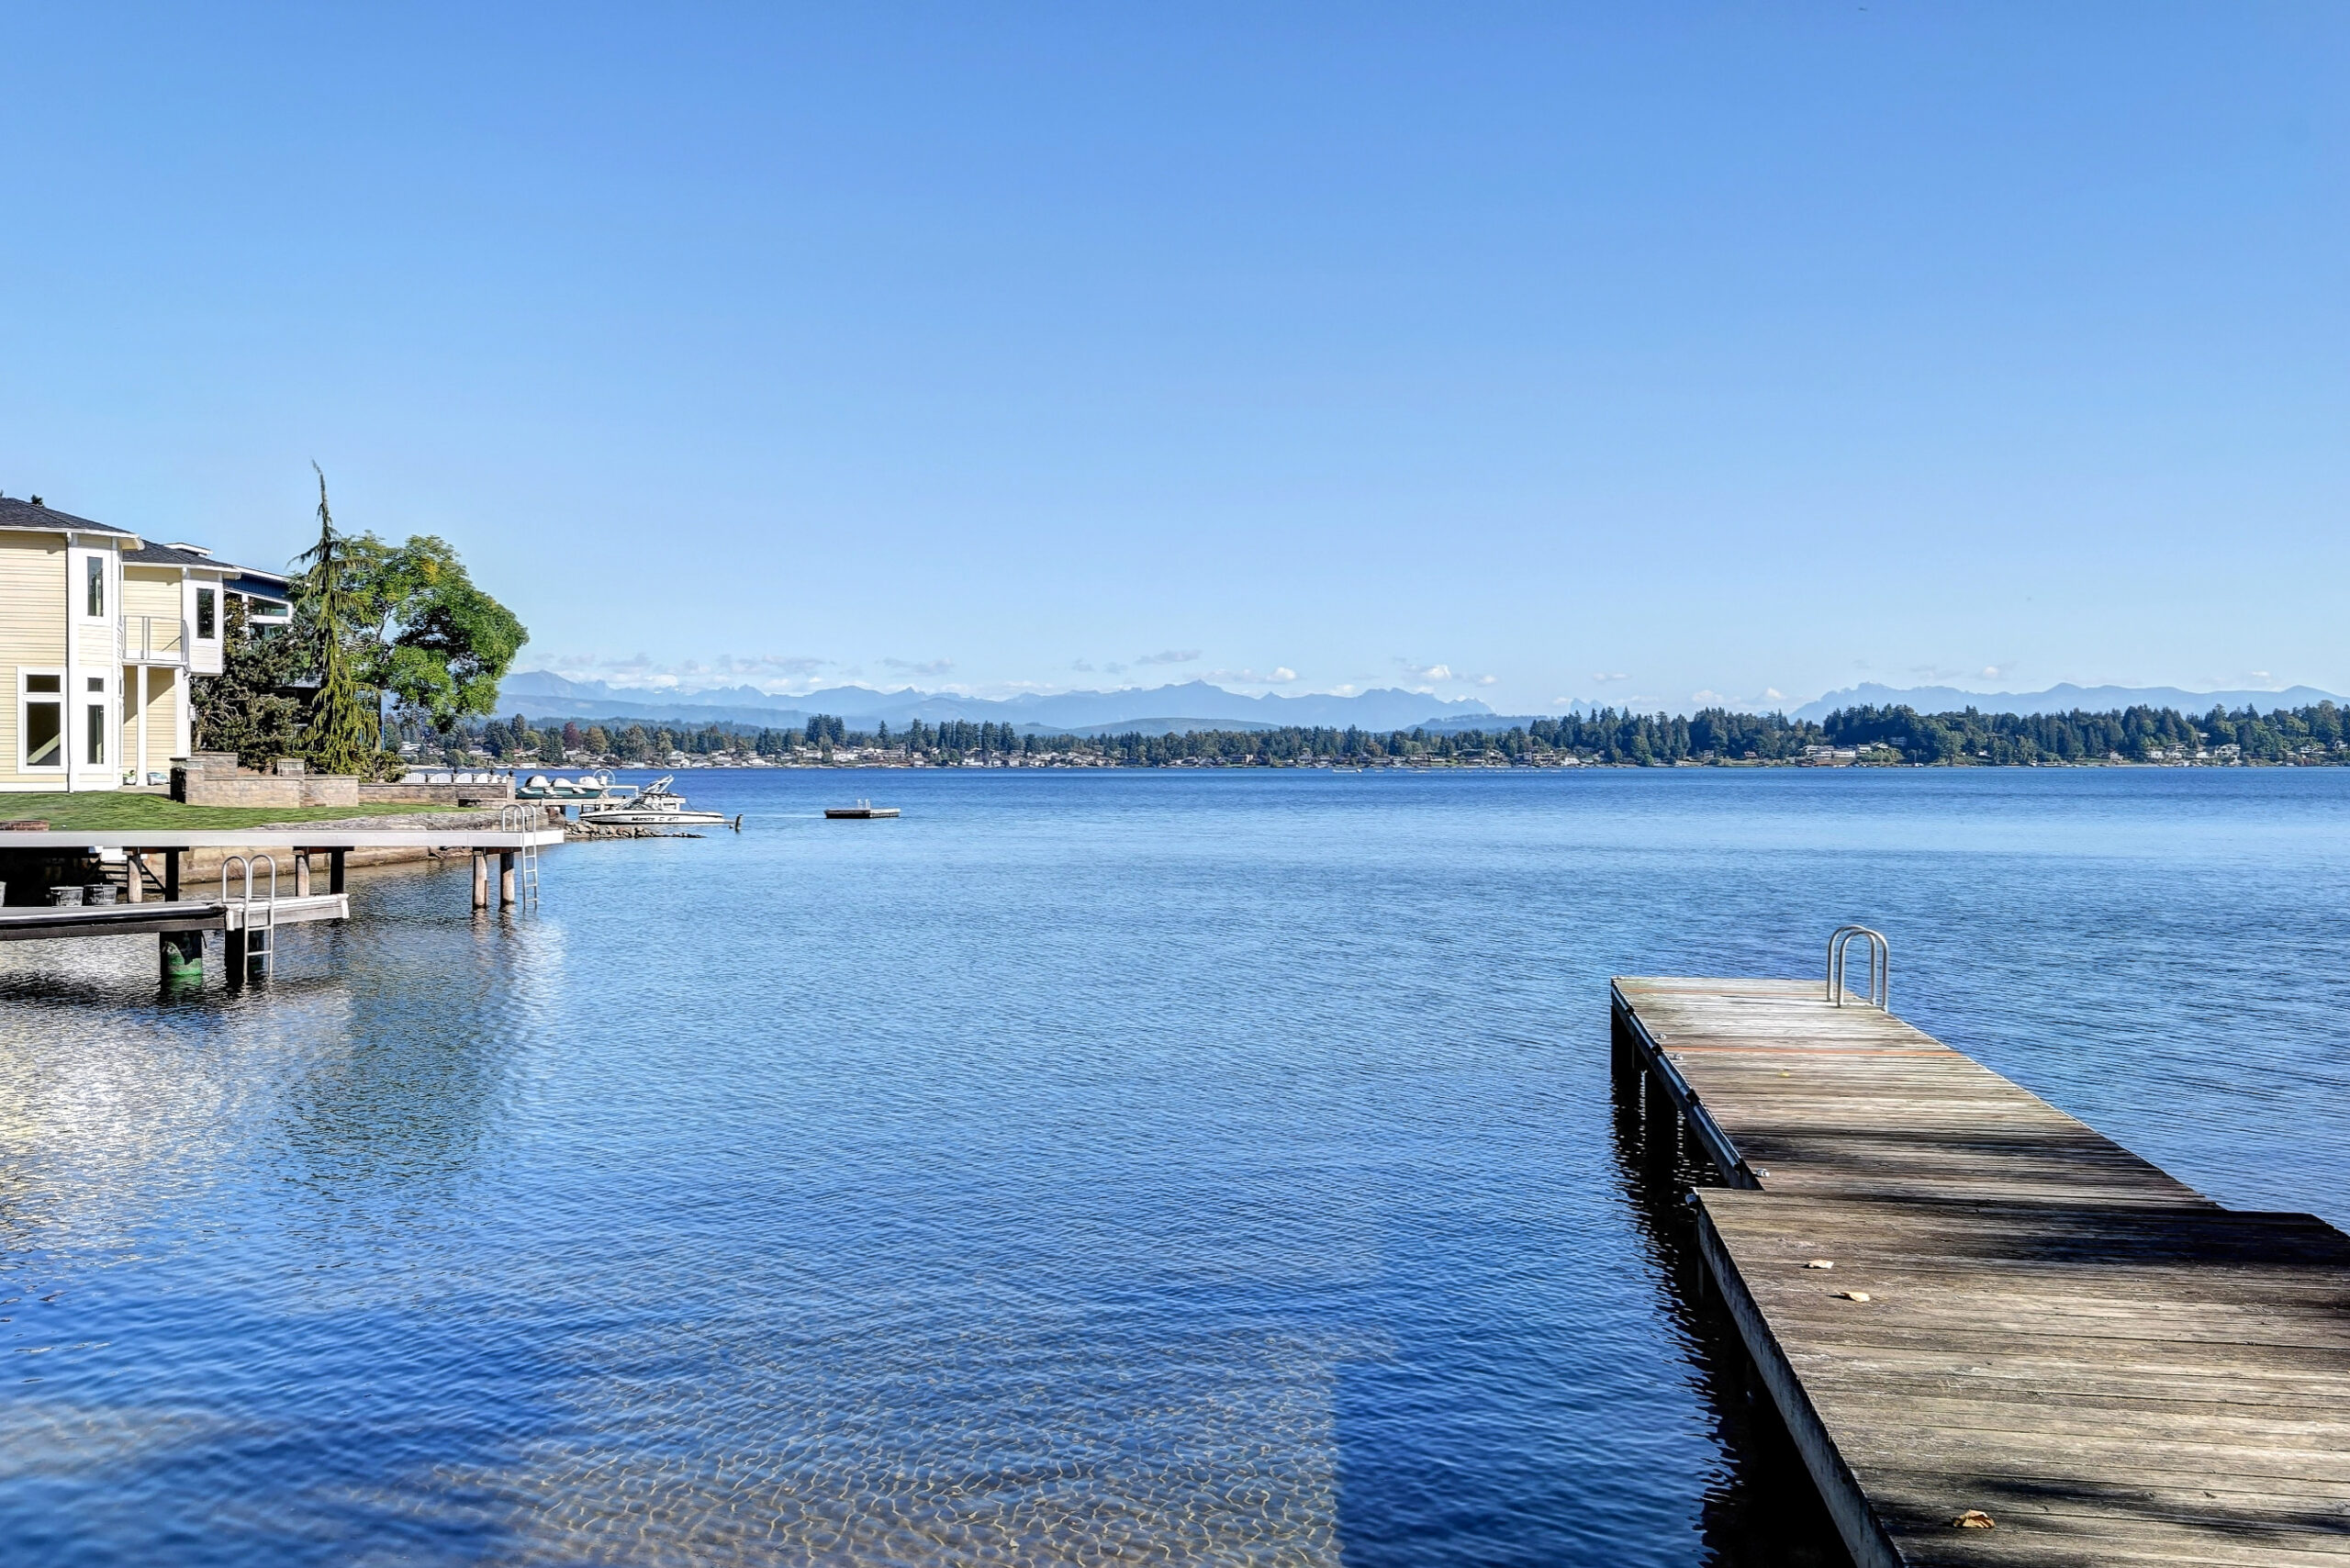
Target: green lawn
<point>104,811</point>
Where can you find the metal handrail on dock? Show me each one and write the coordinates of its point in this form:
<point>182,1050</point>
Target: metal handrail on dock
<point>1880,981</point>
<point>246,952</point>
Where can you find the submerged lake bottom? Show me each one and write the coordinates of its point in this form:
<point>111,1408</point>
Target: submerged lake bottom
<point>1176,1167</point>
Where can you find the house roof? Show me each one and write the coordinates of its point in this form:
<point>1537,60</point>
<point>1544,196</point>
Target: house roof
<point>18,513</point>
<point>250,580</point>
<point>259,585</point>
<point>151,555</point>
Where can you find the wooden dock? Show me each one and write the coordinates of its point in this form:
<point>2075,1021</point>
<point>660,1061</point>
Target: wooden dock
<point>512,844</point>
<point>2024,1323</point>
<point>166,918</point>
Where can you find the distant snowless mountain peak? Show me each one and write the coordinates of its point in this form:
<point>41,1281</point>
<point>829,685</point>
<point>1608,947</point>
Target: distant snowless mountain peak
<point>1195,704</point>
<point>2062,699</point>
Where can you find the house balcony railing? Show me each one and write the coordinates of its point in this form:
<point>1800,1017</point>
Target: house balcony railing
<point>154,640</point>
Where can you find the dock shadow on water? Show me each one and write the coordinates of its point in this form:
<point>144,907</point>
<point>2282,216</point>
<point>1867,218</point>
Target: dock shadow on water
<point>1760,1509</point>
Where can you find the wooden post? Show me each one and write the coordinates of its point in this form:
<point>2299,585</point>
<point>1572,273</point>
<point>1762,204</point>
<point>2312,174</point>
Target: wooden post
<point>301,873</point>
<point>505,876</point>
<point>481,880</point>
<point>172,875</point>
<point>232,954</point>
<point>134,865</point>
<point>334,870</point>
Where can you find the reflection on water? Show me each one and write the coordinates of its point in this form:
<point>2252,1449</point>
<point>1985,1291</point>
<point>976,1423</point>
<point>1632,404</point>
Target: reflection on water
<point>1186,1169</point>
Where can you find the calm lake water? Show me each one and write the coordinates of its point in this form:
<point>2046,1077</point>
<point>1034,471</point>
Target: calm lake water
<point>1188,1168</point>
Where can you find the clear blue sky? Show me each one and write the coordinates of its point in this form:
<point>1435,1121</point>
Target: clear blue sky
<point>1623,351</point>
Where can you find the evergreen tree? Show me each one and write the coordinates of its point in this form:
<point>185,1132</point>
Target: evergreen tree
<point>245,707</point>
<point>343,736</point>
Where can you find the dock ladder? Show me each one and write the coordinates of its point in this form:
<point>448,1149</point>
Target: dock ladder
<point>524,820</point>
<point>1880,979</point>
<point>258,938</point>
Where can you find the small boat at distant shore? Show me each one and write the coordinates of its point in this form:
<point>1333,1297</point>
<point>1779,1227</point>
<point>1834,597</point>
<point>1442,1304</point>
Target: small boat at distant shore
<point>654,806</point>
<point>861,811</point>
<point>586,786</point>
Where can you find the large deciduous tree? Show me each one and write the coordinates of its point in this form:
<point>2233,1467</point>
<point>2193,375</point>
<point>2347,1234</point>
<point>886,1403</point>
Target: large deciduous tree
<point>439,644</point>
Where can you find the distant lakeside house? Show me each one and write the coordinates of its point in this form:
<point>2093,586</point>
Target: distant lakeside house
<point>101,632</point>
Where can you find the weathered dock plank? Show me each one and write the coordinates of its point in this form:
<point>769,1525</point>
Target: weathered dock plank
<point>2052,1331</point>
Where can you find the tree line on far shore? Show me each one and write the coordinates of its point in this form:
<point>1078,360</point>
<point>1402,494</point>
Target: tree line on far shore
<point>1969,737</point>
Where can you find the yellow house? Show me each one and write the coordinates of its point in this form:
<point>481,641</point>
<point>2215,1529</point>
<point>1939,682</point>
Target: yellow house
<point>100,633</point>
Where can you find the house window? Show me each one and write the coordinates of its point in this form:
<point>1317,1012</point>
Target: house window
<point>97,716</point>
<point>40,720</point>
<point>207,620</point>
<point>97,568</point>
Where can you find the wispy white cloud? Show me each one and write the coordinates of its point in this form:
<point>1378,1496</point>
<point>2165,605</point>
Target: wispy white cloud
<point>1610,675</point>
<point>1444,674</point>
<point>925,666</point>
<point>1280,675</point>
<point>1169,656</point>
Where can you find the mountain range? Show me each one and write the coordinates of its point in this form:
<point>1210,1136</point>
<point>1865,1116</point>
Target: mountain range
<point>2063,698</point>
<point>1195,704</point>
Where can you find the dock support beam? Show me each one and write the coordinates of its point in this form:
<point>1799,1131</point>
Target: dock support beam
<point>301,873</point>
<point>481,880</point>
<point>506,878</point>
<point>171,876</point>
<point>233,955</point>
<point>334,870</point>
<point>134,867</point>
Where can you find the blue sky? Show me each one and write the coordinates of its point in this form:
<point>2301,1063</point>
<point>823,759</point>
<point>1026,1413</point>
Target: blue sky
<point>1534,354</point>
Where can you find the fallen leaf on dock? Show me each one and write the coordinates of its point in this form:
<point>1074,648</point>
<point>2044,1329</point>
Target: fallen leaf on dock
<point>1819,1263</point>
<point>1974,1519</point>
<point>1853,1296</point>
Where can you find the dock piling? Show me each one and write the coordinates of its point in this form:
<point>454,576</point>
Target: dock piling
<point>506,878</point>
<point>481,880</point>
<point>181,954</point>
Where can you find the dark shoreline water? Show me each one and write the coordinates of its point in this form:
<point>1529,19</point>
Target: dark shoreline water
<point>1218,1160</point>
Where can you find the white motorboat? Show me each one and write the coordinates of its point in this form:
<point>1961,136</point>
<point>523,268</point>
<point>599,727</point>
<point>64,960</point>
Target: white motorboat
<point>654,806</point>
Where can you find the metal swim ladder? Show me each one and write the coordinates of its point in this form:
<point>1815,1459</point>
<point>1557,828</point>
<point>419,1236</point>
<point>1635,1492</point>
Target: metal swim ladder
<point>1880,981</point>
<point>524,820</point>
<point>260,937</point>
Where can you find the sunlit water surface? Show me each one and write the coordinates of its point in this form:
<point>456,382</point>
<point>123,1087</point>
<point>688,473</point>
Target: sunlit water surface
<point>1167,1167</point>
